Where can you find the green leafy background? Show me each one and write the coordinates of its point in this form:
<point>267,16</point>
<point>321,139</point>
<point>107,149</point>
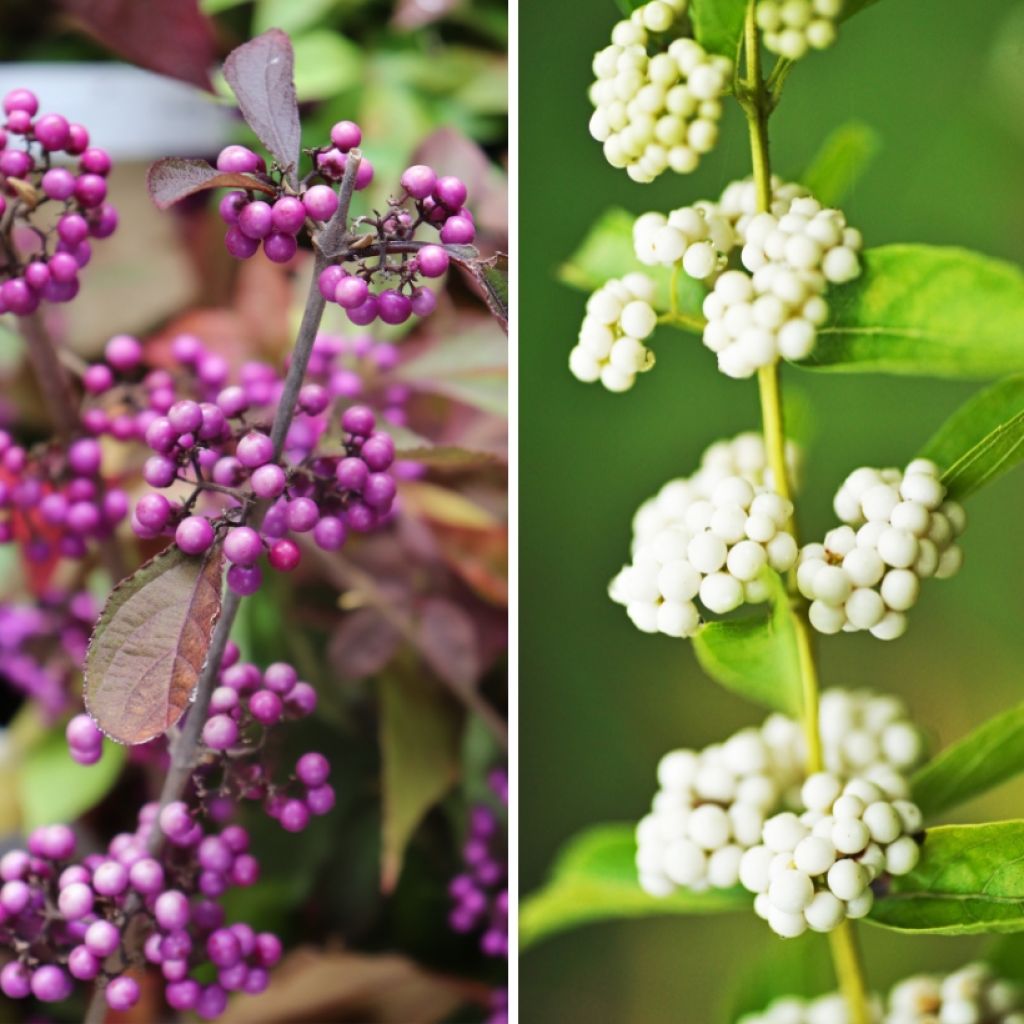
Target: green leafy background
<point>599,701</point>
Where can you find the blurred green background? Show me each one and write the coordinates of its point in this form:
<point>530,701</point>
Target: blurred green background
<point>943,84</point>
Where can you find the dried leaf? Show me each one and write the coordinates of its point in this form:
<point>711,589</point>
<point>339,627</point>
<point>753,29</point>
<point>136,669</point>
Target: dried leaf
<point>172,179</point>
<point>443,505</point>
<point>150,643</point>
<point>489,277</point>
<point>419,739</point>
<point>261,73</point>
<point>314,985</point>
<point>363,644</point>
<point>172,37</point>
<point>479,558</point>
<point>448,642</point>
<point>448,457</point>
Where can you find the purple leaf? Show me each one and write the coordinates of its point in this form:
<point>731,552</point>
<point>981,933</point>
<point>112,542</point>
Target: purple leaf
<point>363,644</point>
<point>171,180</point>
<point>150,643</point>
<point>172,37</point>
<point>488,276</point>
<point>448,642</point>
<point>262,75</point>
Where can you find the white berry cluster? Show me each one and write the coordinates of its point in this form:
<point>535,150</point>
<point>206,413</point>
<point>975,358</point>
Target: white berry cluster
<point>869,735</point>
<point>698,237</point>
<point>827,1009</point>
<point>712,804</point>
<point>610,348</point>
<point>711,808</point>
<point>815,869</point>
<point>773,306</point>
<point>716,553</point>
<point>792,27</point>
<point>660,111</point>
<point>971,995</point>
<point>898,528</point>
<point>743,455</point>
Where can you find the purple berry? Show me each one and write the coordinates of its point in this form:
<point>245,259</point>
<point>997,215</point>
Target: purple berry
<point>432,261</point>
<point>182,995</point>
<point>313,769</point>
<point>123,352</point>
<point>90,190</point>
<point>393,307</point>
<point>288,215</point>
<point>419,180</point>
<point>15,981</point>
<point>280,677</point>
<point>358,420</point>
<point>21,99</point>
<point>95,161</point>
<point>75,901</point>
<point>364,175</point>
<point>239,245</point>
<point>243,546</point>
<point>265,706</point>
<point>50,984</point>
<point>194,535</point>
<point>294,816</point>
<point>171,910</point>
<point>256,220</point>
<point>238,160</point>
<point>146,876</point>
<point>378,452</point>
<point>379,491</point>
<point>122,993</point>
<point>329,533</point>
<point>458,231</point>
<point>351,474</point>
<point>175,820</point>
<point>51,131</point>
<point>223,948</point>
<point>220,732</point>
<point>244,580</point>
<point>254,450</point>
<point>302,514</point>
<point>102,937</point>
<point>185,417</point>
<point>423,301</point>
<point>81,732</point>
<point>351,292</point>
<point>284,555</point>
<point>268,481</point>
<point>328,281</point>
<point>58,183</point>
<point>450,191</point>
<point>279,247</point>
<point>110,878</point>
<point>346,135</point>
<point>321,202</point>
<point>83,964</point>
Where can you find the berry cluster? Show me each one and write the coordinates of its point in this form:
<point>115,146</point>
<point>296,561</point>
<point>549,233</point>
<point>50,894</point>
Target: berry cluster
<point>718,552</point>
<point>656,111</point>
<point>771,302</point>
<point>41,254</point>
<point>209,438</point>
<point>611,346</point>
<point>898,529</point>
<point>743,455</point>
<point>379,277</point>
<point>697,237</point>
<point>57,499</point>
<point>792,27</point>
<point>68,920</point>
<point>480,894</point>
<point>42,646</point>
<point>815,869</point>
<point>973,993</point>
<point>712,804</point>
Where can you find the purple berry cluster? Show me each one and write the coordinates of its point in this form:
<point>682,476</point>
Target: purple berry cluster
<point>380,276</point>
<point>209,439</point>
<point>67,920</point>
<point>43,252</point>
<point>42,646</point>
<point>57,495</point>
<point>480,894</point>
<point>243,707</point>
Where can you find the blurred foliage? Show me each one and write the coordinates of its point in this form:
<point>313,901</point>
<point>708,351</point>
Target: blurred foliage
<point>601,702</point>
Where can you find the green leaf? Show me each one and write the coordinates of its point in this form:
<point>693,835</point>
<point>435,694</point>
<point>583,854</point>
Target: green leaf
<point>53,788</point>
<point>150,643</point>
<point>607,252</point>
<point>853,7</point>
<point>757,658</point>
<point>840,163</point>
<point>419,740</point>
<point>991,754</point>
<point>970,879</point>
<point>326,63</point>
<point>289,16</point>
<point>594,879</point>
<point>718,25</point>
<point>926,310</point>
<point>982,440</point>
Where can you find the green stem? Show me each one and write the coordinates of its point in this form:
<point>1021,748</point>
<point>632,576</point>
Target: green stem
<point>758,102</point>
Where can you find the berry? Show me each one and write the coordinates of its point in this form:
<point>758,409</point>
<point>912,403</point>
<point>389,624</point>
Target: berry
<point>194,535</point>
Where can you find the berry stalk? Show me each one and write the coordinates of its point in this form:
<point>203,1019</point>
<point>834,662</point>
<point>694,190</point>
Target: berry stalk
<point>758,103</point>
<point>185,749</point>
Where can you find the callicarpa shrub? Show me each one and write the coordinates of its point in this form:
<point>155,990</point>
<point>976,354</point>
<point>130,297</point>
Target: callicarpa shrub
<point>822,815</point>
<point>228,475</point>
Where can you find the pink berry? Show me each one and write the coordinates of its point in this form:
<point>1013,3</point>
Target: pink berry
<point>419,180</point>
<point>284,555</point>
<point>194,535</point>
<point>346,135</point>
